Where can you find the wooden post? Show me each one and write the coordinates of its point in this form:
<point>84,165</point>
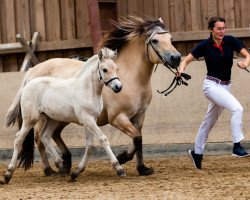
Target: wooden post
<point>95,24</point>
<point>29,49</point>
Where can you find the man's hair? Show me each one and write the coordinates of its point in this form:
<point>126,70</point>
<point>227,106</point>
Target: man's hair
<point>213,20</point>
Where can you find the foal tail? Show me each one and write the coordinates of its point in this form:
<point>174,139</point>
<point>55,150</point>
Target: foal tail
<point>26,154</point>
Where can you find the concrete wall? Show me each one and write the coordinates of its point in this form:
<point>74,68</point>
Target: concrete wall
<point>172,119</point>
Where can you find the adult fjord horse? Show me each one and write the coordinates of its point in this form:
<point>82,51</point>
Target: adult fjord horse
<point>140,43</point>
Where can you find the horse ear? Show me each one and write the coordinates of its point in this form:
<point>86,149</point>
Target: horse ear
<point>100,55</point>
<point>160,19</point>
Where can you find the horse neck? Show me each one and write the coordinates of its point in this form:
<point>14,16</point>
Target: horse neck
<point>136,60</point>
<point>91,75</point>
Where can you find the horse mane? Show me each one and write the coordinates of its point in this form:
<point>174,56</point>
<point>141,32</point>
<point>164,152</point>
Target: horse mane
<point>127,29</point>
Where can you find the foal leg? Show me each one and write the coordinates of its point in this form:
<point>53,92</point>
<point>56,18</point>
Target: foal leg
<point>48,171</point>
<point>93,128</point>
<point>88,147</point>
<point>20,136</point>
<point>66,155</point>
<point>48,130</point>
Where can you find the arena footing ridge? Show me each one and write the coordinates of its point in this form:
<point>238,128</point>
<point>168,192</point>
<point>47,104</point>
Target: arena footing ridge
<point>149,150</point>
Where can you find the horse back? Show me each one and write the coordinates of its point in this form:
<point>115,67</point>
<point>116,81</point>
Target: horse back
<point>56,67</point>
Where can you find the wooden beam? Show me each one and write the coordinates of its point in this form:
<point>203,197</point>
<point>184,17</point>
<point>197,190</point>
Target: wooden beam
<point>201,35</point>
<point>63,44</point>
<point>95,24</point>
<point>46,46</point>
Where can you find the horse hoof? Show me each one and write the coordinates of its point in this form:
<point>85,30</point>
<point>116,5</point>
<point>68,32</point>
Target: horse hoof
<point>49,172</point>
<point>145,171</point>
<point>124,157</point>
<point>121,173</point>
<point>63,171</point>
<point>73,176</point>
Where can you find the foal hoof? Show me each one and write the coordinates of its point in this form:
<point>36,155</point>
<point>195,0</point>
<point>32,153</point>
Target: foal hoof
<point>121,173</point>
<point>145,171</point>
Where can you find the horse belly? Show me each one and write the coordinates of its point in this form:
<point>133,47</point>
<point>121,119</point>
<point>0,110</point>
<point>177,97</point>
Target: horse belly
<point>64,113</point>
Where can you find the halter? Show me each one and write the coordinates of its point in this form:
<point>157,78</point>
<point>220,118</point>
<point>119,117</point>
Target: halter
<point>101,79</point>
<point>177,79</point>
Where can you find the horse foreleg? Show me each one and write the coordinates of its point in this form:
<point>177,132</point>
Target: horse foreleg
<point>88,147</point>
<point>20,136</point>
<point>46,134</point>
<point>133,130</point>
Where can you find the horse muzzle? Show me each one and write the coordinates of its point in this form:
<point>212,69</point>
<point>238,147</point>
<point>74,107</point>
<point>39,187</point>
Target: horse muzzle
<point>115,84</point>
<point>173,59</point>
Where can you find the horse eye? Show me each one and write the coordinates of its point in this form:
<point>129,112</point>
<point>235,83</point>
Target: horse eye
<point>105,70</point>
<point>154,41</point>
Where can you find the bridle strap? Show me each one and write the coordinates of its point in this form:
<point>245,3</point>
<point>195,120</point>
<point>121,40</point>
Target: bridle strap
<point>101,79</point>
<point>177,79</point>
<point>106,83</point>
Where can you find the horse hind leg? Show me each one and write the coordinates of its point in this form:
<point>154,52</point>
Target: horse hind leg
<point>66,154</point>
<point>88,147</point>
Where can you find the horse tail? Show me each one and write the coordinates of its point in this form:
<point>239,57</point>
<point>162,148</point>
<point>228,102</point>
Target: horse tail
<point>26,154</point>
<point>14,112</point>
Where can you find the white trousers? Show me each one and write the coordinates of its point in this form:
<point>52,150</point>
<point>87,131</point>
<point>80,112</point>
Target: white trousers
<point>220,98</point>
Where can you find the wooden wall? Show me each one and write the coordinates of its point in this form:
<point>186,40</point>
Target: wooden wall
<point>190,15</point>
<point>64,24</point>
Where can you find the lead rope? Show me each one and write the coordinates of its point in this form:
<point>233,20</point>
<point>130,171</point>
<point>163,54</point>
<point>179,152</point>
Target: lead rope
<point>177,79</point>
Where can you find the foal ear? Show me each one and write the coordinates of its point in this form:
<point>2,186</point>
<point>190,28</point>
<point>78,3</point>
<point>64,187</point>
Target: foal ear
<point>160,19</point>
<point>100,55</point>
<point>115,54</point>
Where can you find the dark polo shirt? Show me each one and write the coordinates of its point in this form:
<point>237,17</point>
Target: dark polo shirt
<point>219,61</point>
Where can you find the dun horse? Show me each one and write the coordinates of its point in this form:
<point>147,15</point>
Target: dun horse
<point>141,43</point>
<point>75,100</point>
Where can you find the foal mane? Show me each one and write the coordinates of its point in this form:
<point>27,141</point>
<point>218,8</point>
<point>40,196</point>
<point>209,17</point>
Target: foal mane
<point>128,29</point>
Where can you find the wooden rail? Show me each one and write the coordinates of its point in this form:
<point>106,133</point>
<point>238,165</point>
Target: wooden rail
<point>201,35</point>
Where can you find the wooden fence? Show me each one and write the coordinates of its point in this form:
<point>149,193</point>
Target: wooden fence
<point>64,25</point>
<point>187,19</point>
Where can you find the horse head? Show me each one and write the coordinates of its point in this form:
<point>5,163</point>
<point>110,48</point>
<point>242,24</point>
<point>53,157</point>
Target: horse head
<point>108,69</point>
<point>160,49</point>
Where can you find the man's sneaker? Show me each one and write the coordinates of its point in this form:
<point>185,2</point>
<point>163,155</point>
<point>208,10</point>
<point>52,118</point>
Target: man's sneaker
<point>239,152</point>
<point>196,158</point>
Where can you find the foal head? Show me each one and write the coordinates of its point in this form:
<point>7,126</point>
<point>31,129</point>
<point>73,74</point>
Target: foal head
<point>108,69</point>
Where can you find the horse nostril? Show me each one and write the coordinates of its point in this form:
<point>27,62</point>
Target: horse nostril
<point>118,88</point>
<point>175,59</point>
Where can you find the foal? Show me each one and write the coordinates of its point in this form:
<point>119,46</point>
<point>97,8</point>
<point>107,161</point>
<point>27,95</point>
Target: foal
<point>76,100</point>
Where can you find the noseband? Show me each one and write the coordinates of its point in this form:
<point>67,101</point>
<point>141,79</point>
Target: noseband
<point>177,79</point>
<point>101,79</point>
